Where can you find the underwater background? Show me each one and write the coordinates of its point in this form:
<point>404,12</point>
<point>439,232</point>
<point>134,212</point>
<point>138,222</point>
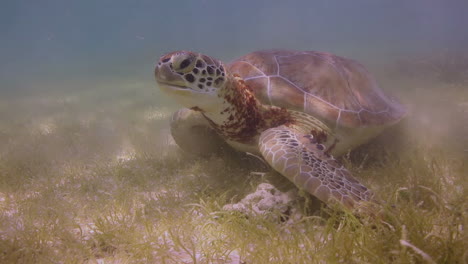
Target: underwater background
<point>90,174</point>
<point>55,43</point>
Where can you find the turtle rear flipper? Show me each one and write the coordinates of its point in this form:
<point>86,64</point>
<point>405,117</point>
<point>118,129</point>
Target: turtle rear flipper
<point>306,163</point>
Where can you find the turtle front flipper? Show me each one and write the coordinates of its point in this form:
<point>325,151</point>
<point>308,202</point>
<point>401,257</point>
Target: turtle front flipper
<point>193,134</point>
<point>305,162</point>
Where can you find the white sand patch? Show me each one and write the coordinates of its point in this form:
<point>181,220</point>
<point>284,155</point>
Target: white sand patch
<point>156,113</point>
<point>127,152</point>
<point>86,120</point>
<point>7,208</point>
<point>186,255</point>
<point>44,126</point>
<point>85,229</point>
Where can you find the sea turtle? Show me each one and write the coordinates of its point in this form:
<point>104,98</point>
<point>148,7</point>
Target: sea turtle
<point>297,109</point>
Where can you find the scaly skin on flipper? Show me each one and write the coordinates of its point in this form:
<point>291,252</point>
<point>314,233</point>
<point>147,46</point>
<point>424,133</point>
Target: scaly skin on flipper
<point>304,162</point>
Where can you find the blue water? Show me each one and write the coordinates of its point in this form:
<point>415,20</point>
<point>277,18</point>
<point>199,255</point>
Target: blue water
<point>65,41</point>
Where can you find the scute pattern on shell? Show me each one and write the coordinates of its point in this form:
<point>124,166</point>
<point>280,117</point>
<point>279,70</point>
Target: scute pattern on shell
<point>335,89</point>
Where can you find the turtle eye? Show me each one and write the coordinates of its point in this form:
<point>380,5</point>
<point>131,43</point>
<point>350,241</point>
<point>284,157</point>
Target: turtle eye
<point>183,62</point>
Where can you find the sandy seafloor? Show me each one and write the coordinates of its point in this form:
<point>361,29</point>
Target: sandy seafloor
<point>74,156</point>
<point>90,174</point>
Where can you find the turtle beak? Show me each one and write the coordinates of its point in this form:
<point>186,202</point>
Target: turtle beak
<point>166,76</point>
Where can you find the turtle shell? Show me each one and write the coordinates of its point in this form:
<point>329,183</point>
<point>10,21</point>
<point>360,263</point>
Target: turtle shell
<point>334,89</point>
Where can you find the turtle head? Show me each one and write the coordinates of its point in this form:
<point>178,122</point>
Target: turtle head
<point>193,79</point>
